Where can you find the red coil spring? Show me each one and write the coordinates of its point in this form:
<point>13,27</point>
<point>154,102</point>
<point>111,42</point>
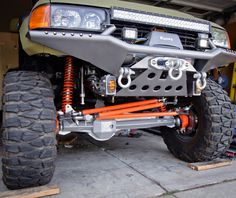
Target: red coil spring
<point>67,97</point>
<point>163,108</point>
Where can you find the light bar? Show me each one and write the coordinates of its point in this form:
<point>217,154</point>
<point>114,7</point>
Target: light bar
<point>160,20</point>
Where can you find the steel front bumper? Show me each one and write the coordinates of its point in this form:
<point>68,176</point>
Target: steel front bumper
<point>109,53</point>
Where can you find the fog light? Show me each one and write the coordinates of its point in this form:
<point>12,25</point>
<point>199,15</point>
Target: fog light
<point>203,40</point>
<point>130,33</point>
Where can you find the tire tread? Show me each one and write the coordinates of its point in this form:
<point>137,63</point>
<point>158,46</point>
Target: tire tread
<point>29,123</point>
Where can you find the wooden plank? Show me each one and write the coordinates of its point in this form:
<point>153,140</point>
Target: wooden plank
<point>200,166</point>
<point>35,192</point>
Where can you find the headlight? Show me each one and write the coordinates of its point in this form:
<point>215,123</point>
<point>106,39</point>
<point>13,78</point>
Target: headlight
<point>76,17</point>
<point>92,20</point>
<point>67,17</point>
<point>220,38</point>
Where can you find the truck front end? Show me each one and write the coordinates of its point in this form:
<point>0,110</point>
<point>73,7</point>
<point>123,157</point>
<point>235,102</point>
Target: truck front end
<point>117,66</point>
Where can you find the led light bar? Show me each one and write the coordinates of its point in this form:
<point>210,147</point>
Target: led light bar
<point>160,20</point>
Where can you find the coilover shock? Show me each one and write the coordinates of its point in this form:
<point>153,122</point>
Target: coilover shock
<point>68,88</point>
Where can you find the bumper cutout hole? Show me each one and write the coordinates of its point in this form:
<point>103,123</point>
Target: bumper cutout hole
<point>132,87</point>
<point>145,87</point>
<point>151,75</point>
<point>157,88</point>
<point>179,88</point>
<point>168,88</point>
<point>164,75</point>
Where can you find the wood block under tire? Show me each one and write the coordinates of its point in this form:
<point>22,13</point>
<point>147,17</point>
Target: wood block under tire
<point>200,166</point>
<point>41,191</point>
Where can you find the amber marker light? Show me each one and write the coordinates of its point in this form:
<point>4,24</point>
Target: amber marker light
<point>40,17</point>
<point>229,44</point>
<point>112,86</point>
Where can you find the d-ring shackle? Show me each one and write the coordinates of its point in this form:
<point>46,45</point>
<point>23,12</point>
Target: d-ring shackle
<point>175,65</point>
<point>201,81</point>
<point>125,73</point>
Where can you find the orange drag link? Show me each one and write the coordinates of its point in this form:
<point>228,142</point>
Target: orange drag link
<point>121,106</point>
<point>130,110</point>
<point>138,115</point>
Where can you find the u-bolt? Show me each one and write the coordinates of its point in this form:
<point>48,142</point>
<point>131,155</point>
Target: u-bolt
<point>125,73</point>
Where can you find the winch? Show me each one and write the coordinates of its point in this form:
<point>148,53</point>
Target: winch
<point>175,66</point>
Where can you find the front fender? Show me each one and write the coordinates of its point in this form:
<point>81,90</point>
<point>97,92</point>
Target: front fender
<point>32,48</point>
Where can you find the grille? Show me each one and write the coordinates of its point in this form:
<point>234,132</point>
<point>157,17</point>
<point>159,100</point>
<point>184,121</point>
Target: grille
<point>187,38</point>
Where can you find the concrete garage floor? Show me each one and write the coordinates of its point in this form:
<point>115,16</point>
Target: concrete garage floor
<point>135,167</point>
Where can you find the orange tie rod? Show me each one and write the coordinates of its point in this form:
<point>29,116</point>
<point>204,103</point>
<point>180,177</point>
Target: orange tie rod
<point>138,115</point>
<point>121,106</point>
<point>130,110</point>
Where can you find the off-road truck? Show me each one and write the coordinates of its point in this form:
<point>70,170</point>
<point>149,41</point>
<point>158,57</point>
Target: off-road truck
<point>100,67</point>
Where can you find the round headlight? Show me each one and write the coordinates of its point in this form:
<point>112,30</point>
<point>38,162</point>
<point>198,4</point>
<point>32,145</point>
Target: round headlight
<point>92,20</point>
<point>220,38</point>
<point>66,18</point>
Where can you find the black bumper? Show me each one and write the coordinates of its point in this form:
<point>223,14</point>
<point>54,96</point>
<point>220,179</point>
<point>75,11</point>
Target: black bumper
<point>109,53</point>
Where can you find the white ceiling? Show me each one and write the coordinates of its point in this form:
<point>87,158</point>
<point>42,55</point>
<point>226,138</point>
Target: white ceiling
<point>214,5</point>
<point>199,8</point>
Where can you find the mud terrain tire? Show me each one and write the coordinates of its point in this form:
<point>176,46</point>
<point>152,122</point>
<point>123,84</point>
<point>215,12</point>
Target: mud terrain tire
<point>29,124</point>
<point>215,127</point>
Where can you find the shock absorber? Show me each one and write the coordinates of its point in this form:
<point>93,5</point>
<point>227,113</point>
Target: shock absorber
<point>68,88</point>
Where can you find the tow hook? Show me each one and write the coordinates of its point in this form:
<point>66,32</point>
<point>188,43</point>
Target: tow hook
<point>125,72</point>
<point>200,82</point>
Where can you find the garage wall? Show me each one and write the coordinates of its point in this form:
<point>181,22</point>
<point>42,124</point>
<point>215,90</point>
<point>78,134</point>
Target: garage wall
<point>11,9</point>
<point>231,28</point>
<point>8,55</point>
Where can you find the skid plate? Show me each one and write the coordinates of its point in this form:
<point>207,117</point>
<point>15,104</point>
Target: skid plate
<point>153,82</point>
